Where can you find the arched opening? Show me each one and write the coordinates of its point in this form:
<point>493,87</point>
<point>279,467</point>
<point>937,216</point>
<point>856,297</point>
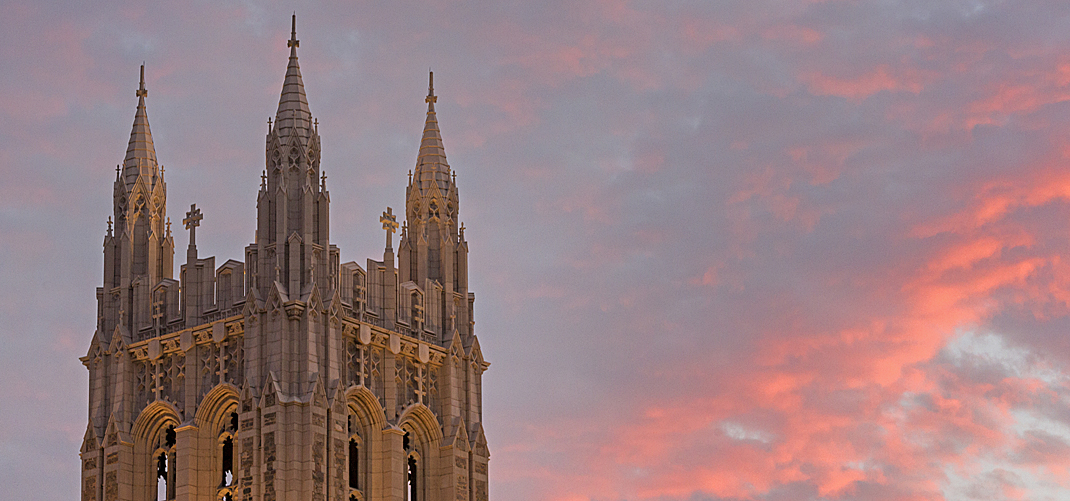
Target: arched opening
<point>354,464</point>
<point>356,443</point>
<point>412,476</point>
<point>411,467</point>
<point>227,453</point>
<point>161,476</point>
<point>165,466</point>
<point>228,462</point>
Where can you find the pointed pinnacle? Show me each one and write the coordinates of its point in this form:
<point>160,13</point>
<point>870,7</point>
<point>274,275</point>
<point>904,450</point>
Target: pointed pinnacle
<point>293,42</point>
<point>141,90</point>
<point>431,97</point>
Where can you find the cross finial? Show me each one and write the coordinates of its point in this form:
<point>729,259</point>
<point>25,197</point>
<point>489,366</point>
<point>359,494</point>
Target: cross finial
<point>293,42</point>
<point>109,225</point>
<point>269,125</point>
<point>141,90</point>
<point>390,224</point>
<point>169,226</point>
<point>323,180</point>
<point>192,221</point>
<point>431,97</point>
<point>462,230</point>
<point>263,179</point>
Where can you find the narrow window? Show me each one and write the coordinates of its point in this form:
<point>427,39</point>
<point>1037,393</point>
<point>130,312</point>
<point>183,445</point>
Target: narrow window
<point>412,479</point>
<point>228,462</point>
<point>228,451</point>
<point>165,467</point>
<point>354,464</point>
<point>161,477</point>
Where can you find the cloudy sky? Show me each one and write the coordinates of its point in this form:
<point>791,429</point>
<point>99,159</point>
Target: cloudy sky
<point>754,249</point>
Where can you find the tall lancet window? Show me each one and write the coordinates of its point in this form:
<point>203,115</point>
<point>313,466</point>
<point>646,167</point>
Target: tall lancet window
<point>165,466</point>
<point>412,468</point>
<point>226,443</point>
<point>356,482</point>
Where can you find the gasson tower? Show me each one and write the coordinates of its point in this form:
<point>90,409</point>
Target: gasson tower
<point>291,376</point>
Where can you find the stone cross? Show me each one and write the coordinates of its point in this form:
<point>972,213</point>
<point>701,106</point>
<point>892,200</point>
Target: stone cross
<point>419,390</point>
<point>192,221</point>
<point>390,224</point>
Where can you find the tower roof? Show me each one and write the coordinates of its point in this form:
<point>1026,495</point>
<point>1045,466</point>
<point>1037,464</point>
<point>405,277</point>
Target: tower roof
<point>140,152</point>
<point>431,163</point>
<point>293,114</point>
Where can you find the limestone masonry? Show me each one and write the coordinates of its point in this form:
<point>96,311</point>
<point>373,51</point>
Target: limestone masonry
<point>291,376</point>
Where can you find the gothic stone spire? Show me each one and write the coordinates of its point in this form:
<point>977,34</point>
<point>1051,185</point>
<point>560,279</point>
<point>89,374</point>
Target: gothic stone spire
<point>293,115</point>
<point>140,151</point>
<point>431,249</point>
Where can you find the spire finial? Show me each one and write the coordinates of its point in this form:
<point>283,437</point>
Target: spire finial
<point>109,226</point>
<point>293,42</point>
<point>431,97</point>
<point>169,226</point>
<point>141,90</point>
<point>263,179</point>
<point>269,125</point>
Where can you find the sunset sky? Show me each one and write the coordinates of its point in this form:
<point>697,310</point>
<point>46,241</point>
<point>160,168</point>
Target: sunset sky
<point>722,250</point>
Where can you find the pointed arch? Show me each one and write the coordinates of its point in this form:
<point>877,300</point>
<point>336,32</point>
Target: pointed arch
<point>153,418</point>
<point>155,451</point>
<point>421,440</point>
<point>364,403</point>
<point>217,404</point>
<point>423,421</point>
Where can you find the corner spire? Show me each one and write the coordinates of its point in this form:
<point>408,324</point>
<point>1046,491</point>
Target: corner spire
<point>293,115</point>
<point>140,151</point>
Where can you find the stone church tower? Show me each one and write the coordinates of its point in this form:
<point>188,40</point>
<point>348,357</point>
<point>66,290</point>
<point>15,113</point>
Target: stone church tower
<point>291,376</point>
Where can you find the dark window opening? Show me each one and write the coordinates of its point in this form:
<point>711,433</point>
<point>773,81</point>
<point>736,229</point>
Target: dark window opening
<point>228,462</point>
<point>412,479</point>
<point>405,441</point>
<point>169,437</point>
<point>161,476</point>
<point>234,421</point>
<point>354,464</point>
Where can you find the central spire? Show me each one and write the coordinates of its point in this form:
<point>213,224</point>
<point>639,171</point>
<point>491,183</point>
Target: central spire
<point>431,163</point>
<point>293,114</point>
<point>140,152</point>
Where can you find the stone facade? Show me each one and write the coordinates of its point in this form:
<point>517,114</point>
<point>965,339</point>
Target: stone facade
<point>290,376</point>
